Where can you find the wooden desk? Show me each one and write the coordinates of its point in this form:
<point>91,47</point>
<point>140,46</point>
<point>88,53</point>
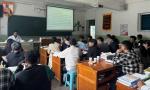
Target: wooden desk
<point>57,66</point>
<point>95,77</point>
<point>123,87</point>
<point>44,56</point>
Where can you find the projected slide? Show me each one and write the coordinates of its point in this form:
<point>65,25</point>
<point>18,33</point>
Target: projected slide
<point>59,19</point>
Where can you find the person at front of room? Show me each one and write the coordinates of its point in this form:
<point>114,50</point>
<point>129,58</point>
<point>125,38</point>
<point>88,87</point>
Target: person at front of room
<point>15,37</point>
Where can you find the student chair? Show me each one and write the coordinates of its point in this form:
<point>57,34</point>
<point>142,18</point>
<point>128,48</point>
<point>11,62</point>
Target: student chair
<point>70,79</point>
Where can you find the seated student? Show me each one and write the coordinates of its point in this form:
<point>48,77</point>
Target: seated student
<point>103,47</point>
<point>140,40</point>
<point>93,50</point>
<point>6,79</point>
<point>145,53</point>
<point>71,55</point>
<point>142,86</point>
<point>54,46</point>
<point>127,58</point>
<point>65,44</point>
<point>16,55</point>
<point>114,44</point>
<point>8,46</point>
<point>81,43</point>
<point>133,42</point>
<point>34,76</point>
<point>108,39</point>
<point>89,38</point>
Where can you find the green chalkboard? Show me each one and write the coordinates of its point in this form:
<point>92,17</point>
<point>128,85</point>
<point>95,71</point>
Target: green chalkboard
<point>31,26</point>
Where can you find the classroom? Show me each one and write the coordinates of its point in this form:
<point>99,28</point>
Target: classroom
<point>74,44</point>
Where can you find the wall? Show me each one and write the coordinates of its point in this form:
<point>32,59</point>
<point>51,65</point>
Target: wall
<point>36,10</point>
<point>129,17</point>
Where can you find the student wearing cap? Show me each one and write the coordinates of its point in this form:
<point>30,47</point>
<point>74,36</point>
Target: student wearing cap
<point>34,76</point>
<point>16,55</point>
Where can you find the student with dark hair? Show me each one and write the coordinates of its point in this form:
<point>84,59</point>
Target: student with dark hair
<point>15,37</point>
<point>65,44</point>
<point>114,44</point>
<point>133,42</point>
<point>89,38</point>
<point>15,56</point>
<point>108,39</point>
<point>93,50</point>
<point>81,43</point>
<point>103,47</point>
<point>8,46</point>
<point>140,40</point>
<point>71,55</point>
<point>34,76</point>
<point>145,53</point>
<point>127,58</point>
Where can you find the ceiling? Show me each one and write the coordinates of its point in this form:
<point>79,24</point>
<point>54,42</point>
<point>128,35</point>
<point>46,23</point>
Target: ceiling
<point>81,4</point>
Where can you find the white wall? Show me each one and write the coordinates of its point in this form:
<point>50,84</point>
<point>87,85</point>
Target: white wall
<point>36,10</point>
<point>129,17</point>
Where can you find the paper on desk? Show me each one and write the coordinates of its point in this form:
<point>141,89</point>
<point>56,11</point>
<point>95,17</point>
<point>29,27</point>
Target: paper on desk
<point>142,76</point>
<point>147,82</point>
<point>13,69</point>
<point>4,58</point>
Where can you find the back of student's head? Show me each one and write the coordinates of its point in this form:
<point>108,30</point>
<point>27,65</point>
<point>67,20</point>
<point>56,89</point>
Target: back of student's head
<point>93,41</point>
<point>139,36</point>
<point>133,38</point>
<point>147,42</point>
<point>101,39</point>
<point>16,46</point>
<point>73,41</point>
<point>31,57</point>
<point>108,35</point>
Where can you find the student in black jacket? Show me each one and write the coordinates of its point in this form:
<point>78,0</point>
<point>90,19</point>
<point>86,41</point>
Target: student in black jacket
<point>34,76</point>
<point>16,55</point>
<point>93,50</point>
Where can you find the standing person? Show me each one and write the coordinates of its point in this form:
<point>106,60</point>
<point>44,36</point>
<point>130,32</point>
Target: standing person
<point>15,37</point>
<point>34,76</point>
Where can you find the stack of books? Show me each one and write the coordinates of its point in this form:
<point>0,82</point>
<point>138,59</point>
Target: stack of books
<point>128,80</point>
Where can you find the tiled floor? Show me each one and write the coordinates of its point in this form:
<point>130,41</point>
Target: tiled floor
<point>57,86</point>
